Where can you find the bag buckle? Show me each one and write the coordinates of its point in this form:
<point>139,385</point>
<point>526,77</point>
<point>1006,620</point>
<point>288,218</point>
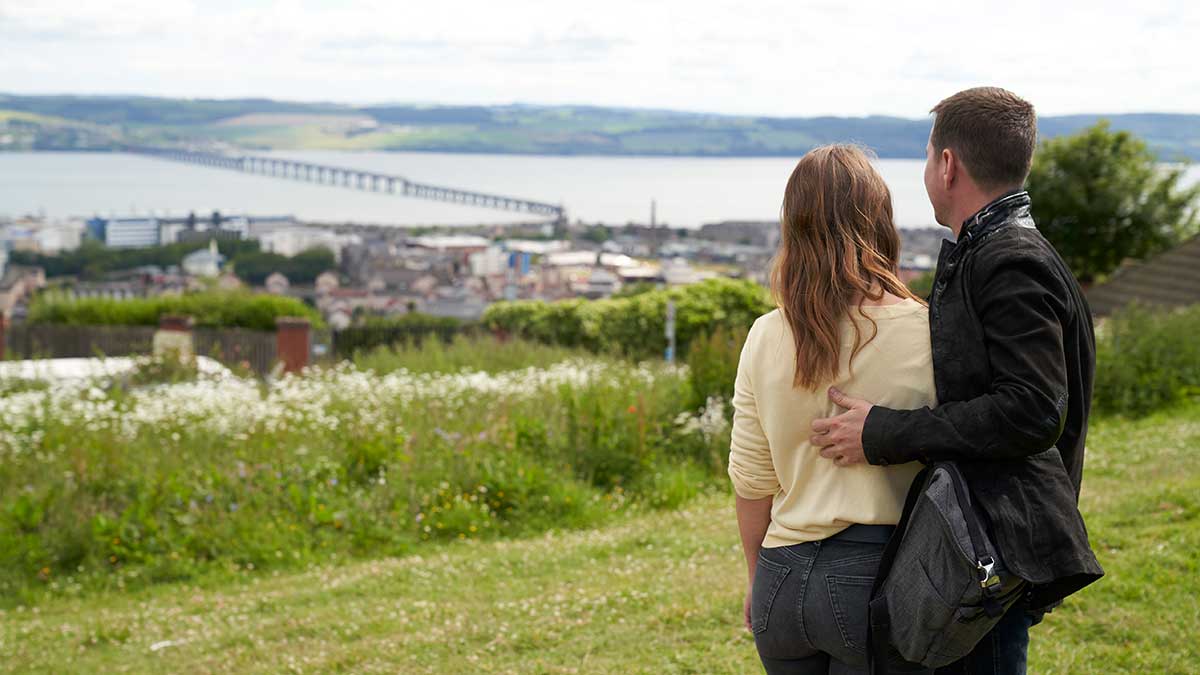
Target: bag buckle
<point>987,572</point>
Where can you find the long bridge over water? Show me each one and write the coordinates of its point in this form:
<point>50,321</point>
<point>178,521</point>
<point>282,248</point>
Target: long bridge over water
<point>356,179</point>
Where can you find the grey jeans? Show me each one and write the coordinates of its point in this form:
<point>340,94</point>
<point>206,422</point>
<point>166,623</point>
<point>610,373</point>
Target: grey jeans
<point>808,605</point>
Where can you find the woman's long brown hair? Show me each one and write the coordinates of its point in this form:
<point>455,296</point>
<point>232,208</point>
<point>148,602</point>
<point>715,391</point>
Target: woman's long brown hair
<point>838,245</point>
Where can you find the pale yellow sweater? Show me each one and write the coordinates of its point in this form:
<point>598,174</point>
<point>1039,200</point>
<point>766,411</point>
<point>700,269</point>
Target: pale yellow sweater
<point>770,454</point>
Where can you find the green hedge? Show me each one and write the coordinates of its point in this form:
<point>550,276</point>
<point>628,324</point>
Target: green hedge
<point>406,329</point>
<point>634,326</point>
<point>210,308</point>
<point>1147,359</point>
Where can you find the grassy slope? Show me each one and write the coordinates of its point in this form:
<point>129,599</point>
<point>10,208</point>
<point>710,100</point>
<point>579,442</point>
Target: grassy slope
<point>659,593</point>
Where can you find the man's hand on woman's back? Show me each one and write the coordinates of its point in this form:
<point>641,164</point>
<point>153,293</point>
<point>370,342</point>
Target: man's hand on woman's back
<point>840,437</point>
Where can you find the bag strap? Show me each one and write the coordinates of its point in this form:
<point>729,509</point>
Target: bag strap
<point>974,531</point>
<point>879,620</point>
<point>985,564</point>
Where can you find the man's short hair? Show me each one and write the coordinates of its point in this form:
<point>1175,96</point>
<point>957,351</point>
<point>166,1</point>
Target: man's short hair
<point>992,130</point>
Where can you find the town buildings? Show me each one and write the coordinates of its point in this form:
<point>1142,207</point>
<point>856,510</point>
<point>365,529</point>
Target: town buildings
<point>455,272</point>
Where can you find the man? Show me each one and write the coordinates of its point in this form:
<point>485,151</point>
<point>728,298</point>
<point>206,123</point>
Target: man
<point>1013,357</point>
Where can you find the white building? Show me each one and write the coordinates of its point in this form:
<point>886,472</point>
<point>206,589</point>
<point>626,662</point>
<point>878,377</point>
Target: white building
<point>132,232</point>
<point>277,284</point>
<point>41,236</point>
<point>678,272</point>
<point>59,237</point>
<point>601,284</point>
<point>169,232</point>
<point>204,263</point>
<point>450,242</point>
<point>292,240</point>
<point>489,262</point>
<point>239,224</point>
<point>588,258</point>
<point>534,246</point>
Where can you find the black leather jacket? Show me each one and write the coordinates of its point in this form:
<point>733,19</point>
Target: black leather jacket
<point>1013,357</point>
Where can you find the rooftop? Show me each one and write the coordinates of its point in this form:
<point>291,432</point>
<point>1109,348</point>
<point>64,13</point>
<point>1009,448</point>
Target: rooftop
<point>1169,279</point>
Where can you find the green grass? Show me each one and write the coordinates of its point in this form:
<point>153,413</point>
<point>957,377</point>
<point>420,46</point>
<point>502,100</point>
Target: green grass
<point>656,592</point>
<point>465,353</point>
<point>115,487</point>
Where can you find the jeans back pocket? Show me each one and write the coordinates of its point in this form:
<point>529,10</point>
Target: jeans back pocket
<point>768,577</point>
<point>849,596</point>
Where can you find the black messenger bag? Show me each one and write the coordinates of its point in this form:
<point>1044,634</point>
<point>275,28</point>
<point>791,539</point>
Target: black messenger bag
<point>941,584</point>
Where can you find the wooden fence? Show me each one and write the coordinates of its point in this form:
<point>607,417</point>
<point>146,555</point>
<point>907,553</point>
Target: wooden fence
<point>238,348</point>
<point>45,341</point>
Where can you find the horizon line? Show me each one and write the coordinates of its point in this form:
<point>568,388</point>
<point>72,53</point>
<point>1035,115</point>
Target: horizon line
<point>359,106</point>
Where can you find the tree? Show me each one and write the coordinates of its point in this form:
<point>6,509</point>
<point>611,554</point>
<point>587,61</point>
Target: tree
<point>254,267</point>
<point>922,285</point>
<point>1102,196</point>
<point>598,234</point>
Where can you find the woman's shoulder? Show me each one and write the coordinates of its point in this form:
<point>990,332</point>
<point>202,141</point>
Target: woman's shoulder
<point>907,315</point>
<point>774,315</point>
<point>907,309</point>
<point>762,326</point>
<point>772,321</point>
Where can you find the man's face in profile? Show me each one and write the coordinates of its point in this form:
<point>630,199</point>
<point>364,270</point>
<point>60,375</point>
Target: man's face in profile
<point>933,182</point>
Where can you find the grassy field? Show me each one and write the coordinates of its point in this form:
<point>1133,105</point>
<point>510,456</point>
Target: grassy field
<point>656,592</point>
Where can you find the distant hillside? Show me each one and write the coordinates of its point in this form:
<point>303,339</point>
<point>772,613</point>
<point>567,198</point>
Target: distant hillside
<point>108,122</point>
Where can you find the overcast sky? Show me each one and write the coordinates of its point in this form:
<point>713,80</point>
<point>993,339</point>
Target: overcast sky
<point>790,58</point>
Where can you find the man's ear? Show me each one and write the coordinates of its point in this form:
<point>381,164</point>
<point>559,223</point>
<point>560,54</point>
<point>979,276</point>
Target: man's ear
<point>950,168</point>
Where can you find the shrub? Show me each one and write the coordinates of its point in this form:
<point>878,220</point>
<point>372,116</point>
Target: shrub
<point>1147,359</point>
<point>634,326</point>
<point>463,352</point>
<point>922,285</point>
<point>407,329</point>
<point>712,366</point>
<point>209,308</point>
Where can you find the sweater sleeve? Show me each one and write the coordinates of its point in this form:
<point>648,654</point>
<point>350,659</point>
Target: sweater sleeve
<point>750,466</point>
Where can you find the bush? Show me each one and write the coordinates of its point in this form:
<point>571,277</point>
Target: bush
<point>210,309</point>
<point>712,366</point>
<point>634,326</point>
<point>1147,359</point>
<point>478,353</point>
<point>410,329</point>
<point>635,288</point>
<point>922,285</point>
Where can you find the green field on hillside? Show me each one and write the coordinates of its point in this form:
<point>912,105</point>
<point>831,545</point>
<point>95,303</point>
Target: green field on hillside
<point>651,592</point>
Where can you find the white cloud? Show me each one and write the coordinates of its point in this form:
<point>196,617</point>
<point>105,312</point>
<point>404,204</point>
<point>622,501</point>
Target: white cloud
<point>774,58</point>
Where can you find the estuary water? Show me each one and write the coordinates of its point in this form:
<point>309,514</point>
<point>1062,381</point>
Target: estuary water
<point>687,191</point>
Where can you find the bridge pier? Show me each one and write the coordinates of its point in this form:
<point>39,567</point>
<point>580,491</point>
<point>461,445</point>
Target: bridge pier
<point>350,178</point>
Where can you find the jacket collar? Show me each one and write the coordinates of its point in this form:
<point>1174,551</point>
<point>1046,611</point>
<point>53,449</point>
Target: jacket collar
<point>993,214</point>
<point>1010,207</point>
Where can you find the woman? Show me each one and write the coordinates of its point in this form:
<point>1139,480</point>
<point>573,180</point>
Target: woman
<point>813,532</point>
